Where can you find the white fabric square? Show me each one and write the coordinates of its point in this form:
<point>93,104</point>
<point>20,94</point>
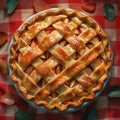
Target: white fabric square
<point>3,17</point>
<point>25,13</point>
<point>111,34</point>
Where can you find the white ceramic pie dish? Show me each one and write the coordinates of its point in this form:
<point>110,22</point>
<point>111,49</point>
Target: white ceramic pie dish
<point>70,109</point>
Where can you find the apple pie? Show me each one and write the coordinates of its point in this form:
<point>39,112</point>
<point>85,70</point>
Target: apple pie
<point>60,58</point>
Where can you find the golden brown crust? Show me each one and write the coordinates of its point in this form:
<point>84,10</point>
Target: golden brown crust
<point>80,78</point>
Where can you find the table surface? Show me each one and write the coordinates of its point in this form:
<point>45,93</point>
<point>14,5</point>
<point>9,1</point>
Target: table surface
<point>108,108</point>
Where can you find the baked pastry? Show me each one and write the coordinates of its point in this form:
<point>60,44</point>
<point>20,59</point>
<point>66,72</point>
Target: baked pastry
<point>60,58</point>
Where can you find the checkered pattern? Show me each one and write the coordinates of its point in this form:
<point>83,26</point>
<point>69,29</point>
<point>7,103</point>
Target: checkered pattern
<point>108,108</point>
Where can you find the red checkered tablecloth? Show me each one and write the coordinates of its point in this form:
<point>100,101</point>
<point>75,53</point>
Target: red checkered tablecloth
<point>108,108</point>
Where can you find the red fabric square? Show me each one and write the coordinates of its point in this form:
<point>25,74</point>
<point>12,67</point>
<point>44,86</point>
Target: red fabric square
<point>115,51</point>
<point>16,16</point>
<point>113,112</point>
<point>75,1</point>
<point>118,22</point>
<point>114,81</point>
<point>118,52</point>
<point>4,27</point>
<point>14,25</point>
<point>2,117</point>
<point>101,20</point>
<point>25,4</point>
<point>75,6</point>
<point>52,1</point>
<point>110,24</point>
<point>118,34</point>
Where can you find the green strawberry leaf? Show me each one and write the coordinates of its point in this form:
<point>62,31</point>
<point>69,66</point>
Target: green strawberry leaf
<point>113,91</point>
<point>22,115</point>
<point>90,114</point>
<point>109,11</point>
<point>10,6</point>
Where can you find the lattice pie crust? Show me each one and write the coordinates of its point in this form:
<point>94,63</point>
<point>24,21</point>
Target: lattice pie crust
<point>60,58</point>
